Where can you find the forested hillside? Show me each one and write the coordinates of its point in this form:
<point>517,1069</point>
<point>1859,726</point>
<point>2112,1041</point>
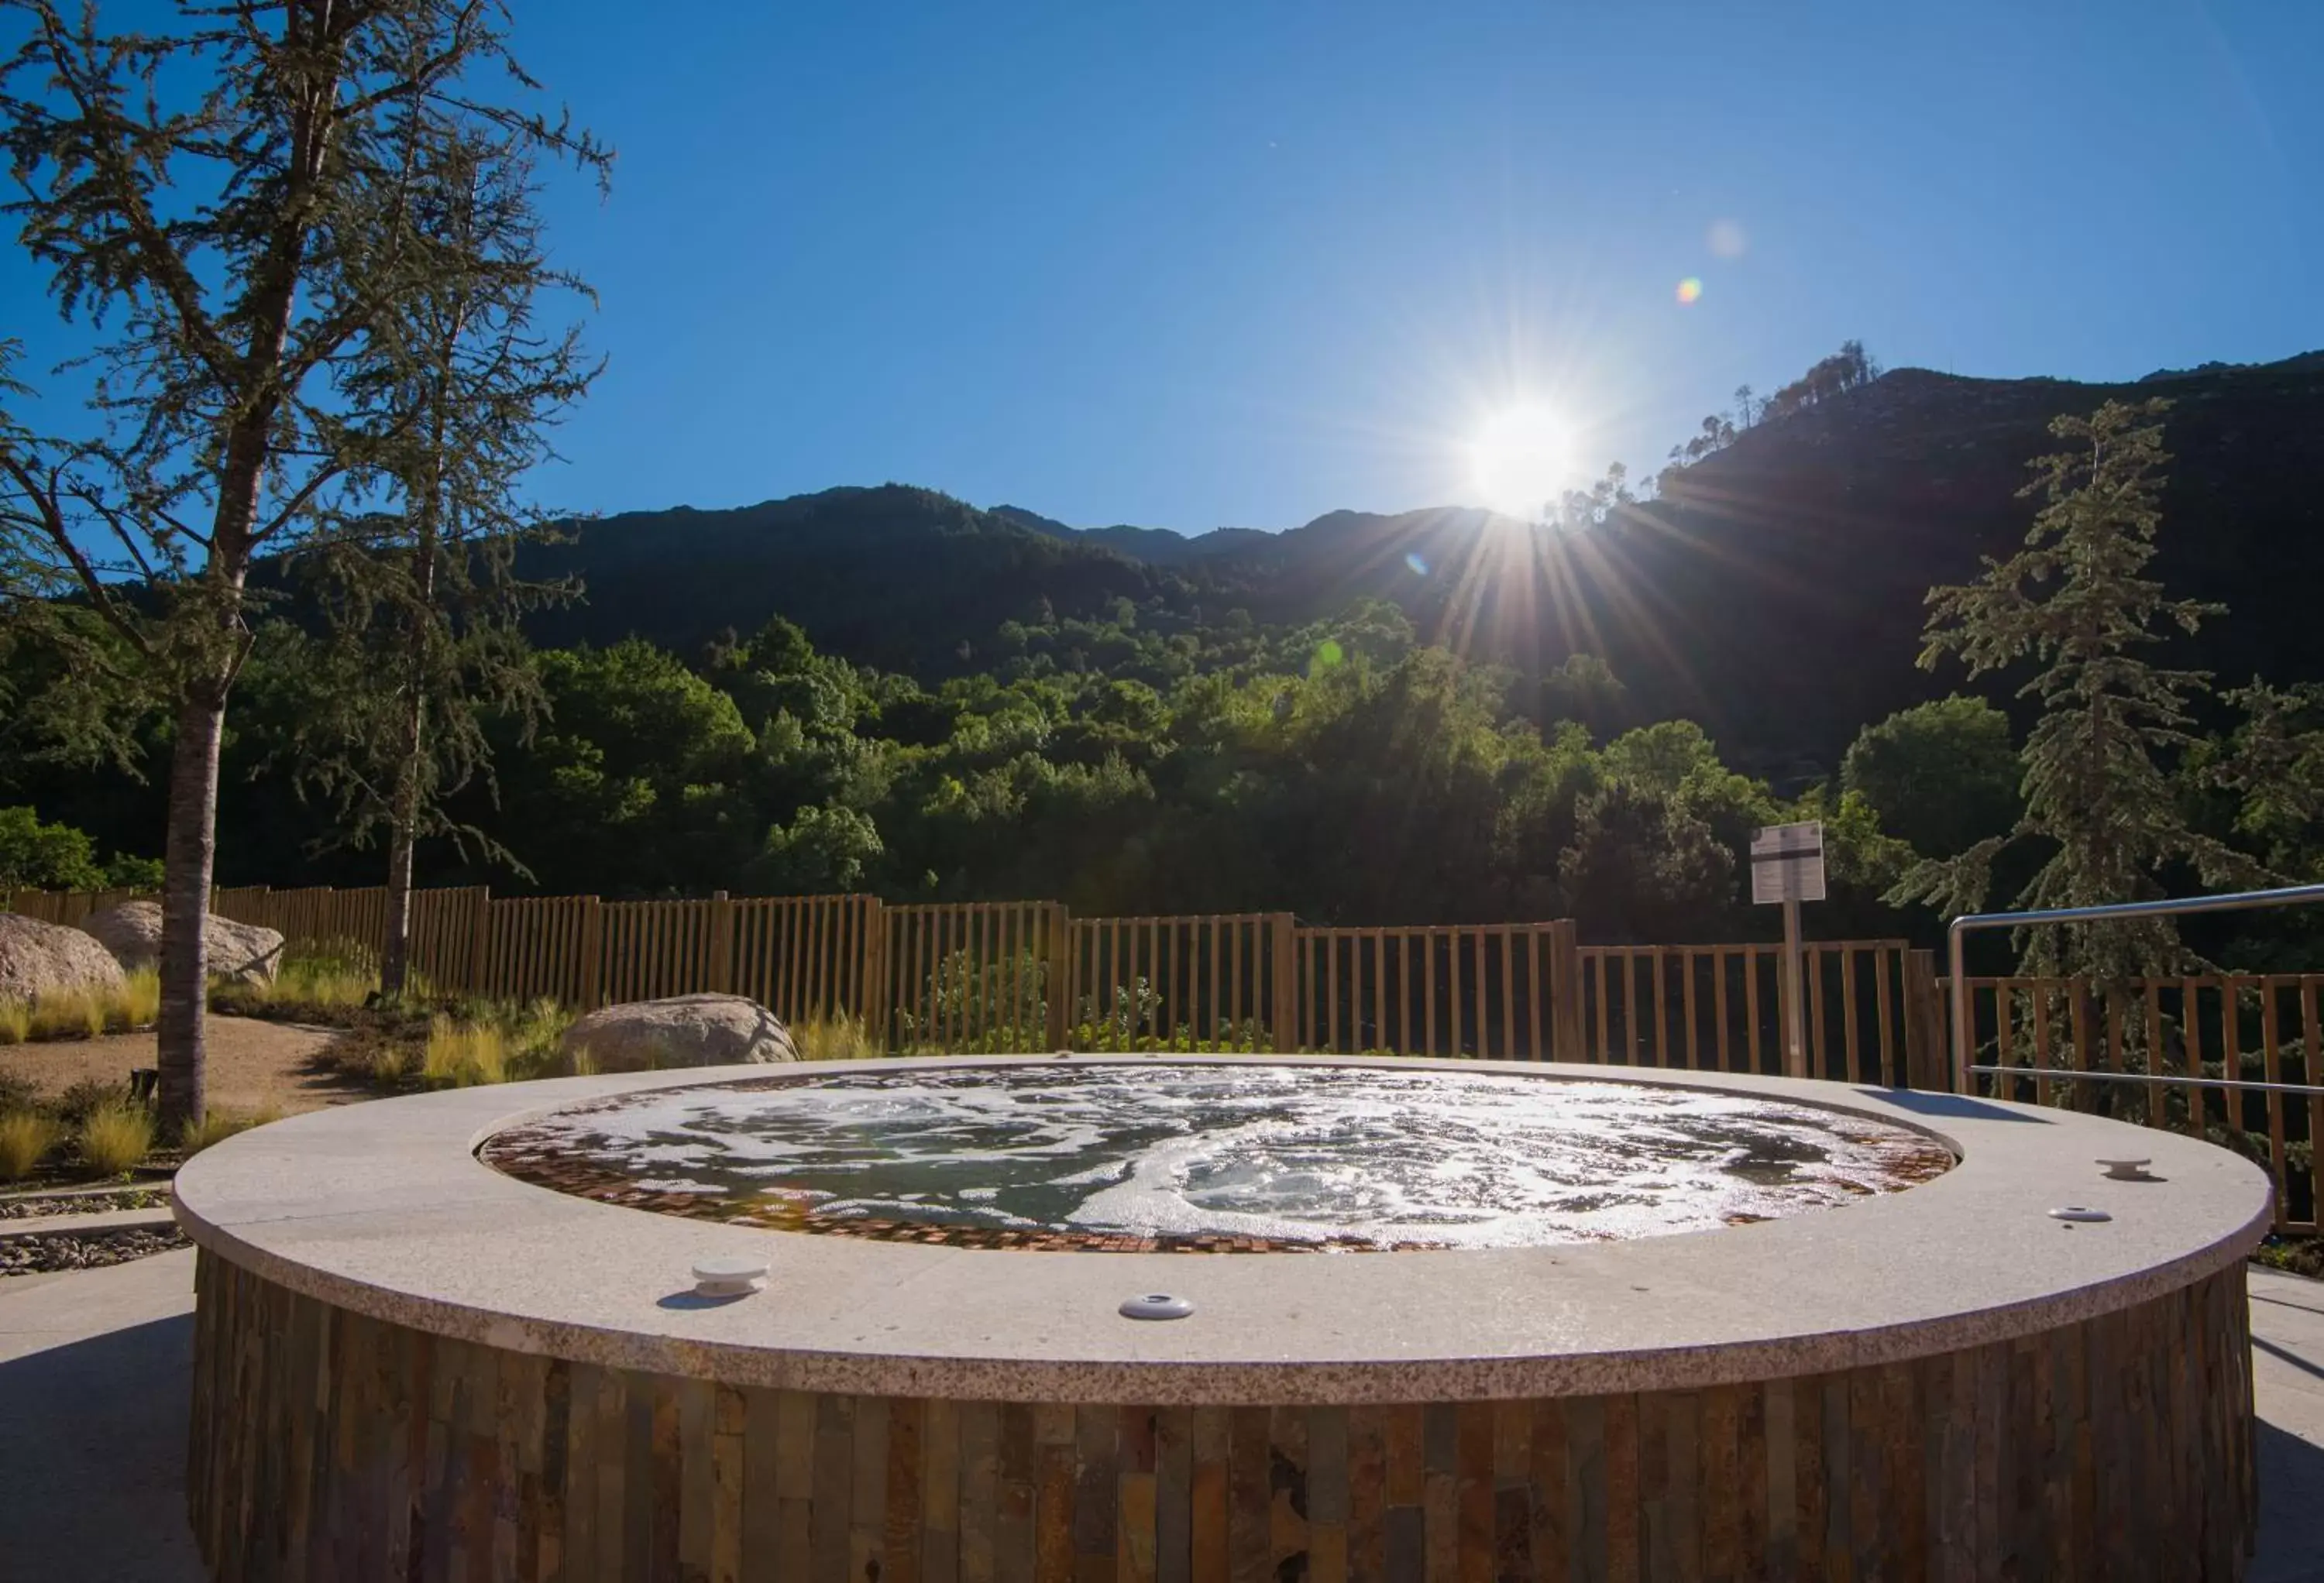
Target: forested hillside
<point>1770,588</point>
<point>1439,716</point>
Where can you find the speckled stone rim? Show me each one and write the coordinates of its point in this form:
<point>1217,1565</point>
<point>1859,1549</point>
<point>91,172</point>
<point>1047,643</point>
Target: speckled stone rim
<point>381,1210</point>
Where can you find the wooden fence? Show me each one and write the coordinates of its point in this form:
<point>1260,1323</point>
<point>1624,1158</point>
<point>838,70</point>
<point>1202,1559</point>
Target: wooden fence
<point>2201,1051</point>
<point>1017,976</point>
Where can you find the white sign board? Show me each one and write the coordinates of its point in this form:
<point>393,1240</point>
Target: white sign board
<point>1787,863</point>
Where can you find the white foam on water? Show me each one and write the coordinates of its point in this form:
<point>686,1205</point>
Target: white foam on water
<point>1281,1153</point>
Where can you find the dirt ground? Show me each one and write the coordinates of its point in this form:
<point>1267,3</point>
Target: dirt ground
<point>251,1064</point>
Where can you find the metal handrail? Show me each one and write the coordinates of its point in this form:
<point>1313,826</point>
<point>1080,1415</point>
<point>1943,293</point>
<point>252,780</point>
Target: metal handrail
<point>1955,945</point>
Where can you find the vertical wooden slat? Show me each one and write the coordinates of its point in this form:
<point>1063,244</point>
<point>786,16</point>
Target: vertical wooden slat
<point>1330,941</point>
<point>1484,1020</point>
<point>1849,1016</point>
<point>1428,989</point>
<point>1533,991</point>
<point>1508,996</point>
<point>1891,1064</point>
<point>1404,990</point>
<point>2040,1009</point>
<point>2190,1019</point>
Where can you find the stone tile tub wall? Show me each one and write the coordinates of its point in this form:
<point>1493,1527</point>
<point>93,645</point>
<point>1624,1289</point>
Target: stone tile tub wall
<point>330,1445</point>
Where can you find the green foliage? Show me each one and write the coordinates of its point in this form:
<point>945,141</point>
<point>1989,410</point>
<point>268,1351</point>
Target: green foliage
<point>1641,868</point>
<point>999,1007</point>
<point>2098,791</point>
<point>1942,777</point>
<point>2274,765</point>
<point>34,855</point>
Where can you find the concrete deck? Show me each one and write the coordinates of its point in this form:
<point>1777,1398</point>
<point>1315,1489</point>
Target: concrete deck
<point>93,1366</point>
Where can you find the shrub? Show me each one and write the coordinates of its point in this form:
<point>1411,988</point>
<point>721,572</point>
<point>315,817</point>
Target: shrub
<point>18,1092</point>
<point>220,1125</point>
<point>115,1138</point>
<point>835,1038</point>
<point>25,1138</point>
<point>84,1098</point>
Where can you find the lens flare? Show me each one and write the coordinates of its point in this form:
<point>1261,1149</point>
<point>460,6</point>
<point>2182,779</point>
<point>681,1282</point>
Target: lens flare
<point>1419,567</point>
<point>1690,291</point>
<point>1727,239</point>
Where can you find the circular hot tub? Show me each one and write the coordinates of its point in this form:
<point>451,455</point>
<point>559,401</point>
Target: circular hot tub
<point>1411,1319</point>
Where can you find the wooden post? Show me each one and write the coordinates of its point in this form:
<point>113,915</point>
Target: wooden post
<point>1566,1038</point>
<point>1925,1066</point>
<point>1283,951</point>
<point>1059,968</point>
<point>1789,990</point>
<point>480,935</point>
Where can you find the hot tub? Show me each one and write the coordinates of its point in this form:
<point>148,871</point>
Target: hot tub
<point>1458,1320</point>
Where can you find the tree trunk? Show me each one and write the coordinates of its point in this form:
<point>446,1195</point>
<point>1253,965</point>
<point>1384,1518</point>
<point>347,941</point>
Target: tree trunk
<point>403,814</point>
<point>186,903</point>
<point>395,953</point>
<point>403,824</point>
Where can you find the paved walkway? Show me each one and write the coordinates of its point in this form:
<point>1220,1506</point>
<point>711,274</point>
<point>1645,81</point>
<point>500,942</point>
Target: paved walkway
<point>93,1373</point>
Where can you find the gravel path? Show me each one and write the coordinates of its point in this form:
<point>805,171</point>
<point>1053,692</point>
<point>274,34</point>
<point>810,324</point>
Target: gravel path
<point>251,1064</point>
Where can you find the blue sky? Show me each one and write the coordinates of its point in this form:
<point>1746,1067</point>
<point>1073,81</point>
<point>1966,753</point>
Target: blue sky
<point>1194,264</point>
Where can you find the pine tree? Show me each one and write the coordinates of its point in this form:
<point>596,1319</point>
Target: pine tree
<point>227,204</point>
<point>2076,601</point>
<point>422,639</point>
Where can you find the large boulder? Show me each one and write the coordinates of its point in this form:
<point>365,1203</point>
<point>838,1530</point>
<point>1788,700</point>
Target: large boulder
<point>686,1030</point>
<point>39,959</point>
<point>243,953</point>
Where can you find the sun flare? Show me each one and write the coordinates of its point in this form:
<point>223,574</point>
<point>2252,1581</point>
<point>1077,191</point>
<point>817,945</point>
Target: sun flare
<point>1524,459</point>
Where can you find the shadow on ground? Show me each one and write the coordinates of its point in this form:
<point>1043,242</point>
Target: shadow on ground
<point>105,1414</point>
<point>2291,1494</point>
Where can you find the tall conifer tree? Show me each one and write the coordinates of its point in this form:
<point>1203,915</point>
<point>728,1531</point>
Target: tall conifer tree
<point>2098,798</point>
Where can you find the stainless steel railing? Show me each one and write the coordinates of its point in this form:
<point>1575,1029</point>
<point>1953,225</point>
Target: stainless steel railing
<point>1964,1035</point>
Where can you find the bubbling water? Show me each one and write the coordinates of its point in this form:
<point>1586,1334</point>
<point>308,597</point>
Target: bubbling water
<point>1288,1155</point>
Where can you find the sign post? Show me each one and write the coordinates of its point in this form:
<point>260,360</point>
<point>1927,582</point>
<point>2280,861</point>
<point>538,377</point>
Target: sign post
<point>1788,868</point>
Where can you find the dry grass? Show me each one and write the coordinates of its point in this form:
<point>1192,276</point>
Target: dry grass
<point>83,1014</point>
<point>220,1125</point>
<point>70,1014</point>
<point>497,1043</point>
<point>835,1038</point>
<point>139,1003</point>
<point>26,1136</point>
<point>115,1138</point>
<point>461,1054</point>
<point>319,980</point>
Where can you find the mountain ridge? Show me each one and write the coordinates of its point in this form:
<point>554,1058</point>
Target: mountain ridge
<point>1773,590</point>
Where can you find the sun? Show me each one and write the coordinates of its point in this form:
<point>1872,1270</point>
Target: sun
<point>1524,461</point>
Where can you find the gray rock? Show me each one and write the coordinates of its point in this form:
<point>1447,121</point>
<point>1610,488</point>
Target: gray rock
<point>686,1030</point>
<point>38,959</point>
<point>244,953</point>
